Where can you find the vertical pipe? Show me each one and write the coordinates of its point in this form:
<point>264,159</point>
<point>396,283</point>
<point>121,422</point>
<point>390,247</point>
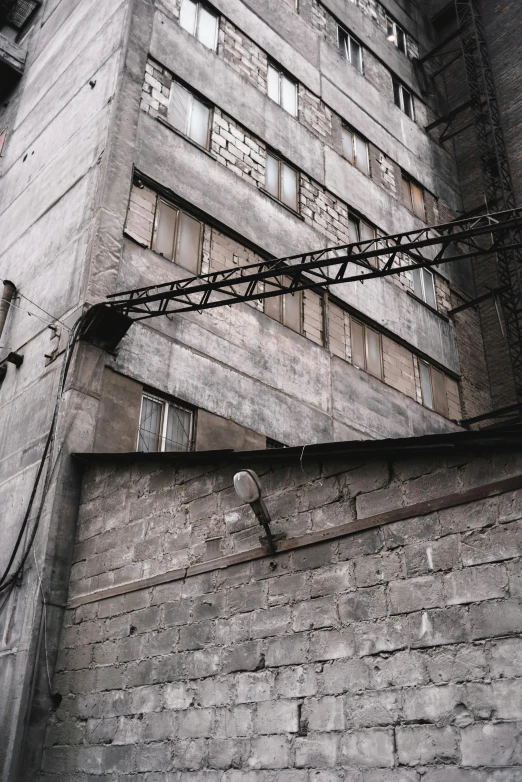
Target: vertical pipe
<point>5,301</point>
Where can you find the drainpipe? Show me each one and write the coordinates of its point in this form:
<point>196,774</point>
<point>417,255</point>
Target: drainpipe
<point>8,293</point>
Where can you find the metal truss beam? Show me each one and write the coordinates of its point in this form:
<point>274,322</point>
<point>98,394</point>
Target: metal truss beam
<point>496,174</point>
<point>323,269</point>
<point>448,119</point>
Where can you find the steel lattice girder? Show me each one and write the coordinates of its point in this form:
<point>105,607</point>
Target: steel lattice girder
<point>495,171</point>
<point>459,240</point>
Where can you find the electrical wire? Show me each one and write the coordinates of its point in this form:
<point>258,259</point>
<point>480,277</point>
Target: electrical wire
<point>44,601</point>
<point>57,320</point>
<point>7,579</point>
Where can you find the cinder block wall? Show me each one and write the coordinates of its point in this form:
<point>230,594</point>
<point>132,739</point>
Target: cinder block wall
<point>390,654</point>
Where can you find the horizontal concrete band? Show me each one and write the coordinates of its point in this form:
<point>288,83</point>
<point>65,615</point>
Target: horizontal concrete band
<point>341,530</point>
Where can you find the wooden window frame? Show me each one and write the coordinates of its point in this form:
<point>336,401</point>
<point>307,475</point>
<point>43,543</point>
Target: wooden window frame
<point>280,164</point>
<point>199,5</point>
<point>345,41</point>
<point>282,74</point>
<point>353,161</point>
<point>281,301</point>
<point>180,211</point>
<point>424,298</point>
<point>393,37</point>
<point>410,183</point>
<point>192,97</point>
<point>166,404</point>
<point>364,327</point>
<point>431,369</point>
<point>399,91</point>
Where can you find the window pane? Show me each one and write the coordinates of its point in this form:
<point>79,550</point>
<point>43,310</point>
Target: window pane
<point>343,44</point>
<point>179,107</point>
<point>366,231</point>
<point>390,30</point>
<point>199,122</point>
<point>353,230</point>
<point>406,193</point>
<point>355,55</point>
<point>358,352</point>
<point>189,243</point>
<point>418,201</point>
<point>207,28</point>
<point>187,16</point>
<point>165,229</point>
<point>348,145</point>
<point>289,95</point>
<point>397,93</point>
<point>289,194</point>
<point>273,306</point>
<point>179,425</point>
<point>373,353</point>
<point>425,379</point>
<point>408,102</point>
<point>400,40</point>
<point>150,425</point>
<point>417,283</point>
<point>273,83</point>
<point>429,288</point>
<point>272,175</point>
<point>361,154</point>
<point>292,311</point>
<point>440,400</point>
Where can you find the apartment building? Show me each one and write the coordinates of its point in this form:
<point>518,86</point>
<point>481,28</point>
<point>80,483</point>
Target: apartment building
<point>147,141</point>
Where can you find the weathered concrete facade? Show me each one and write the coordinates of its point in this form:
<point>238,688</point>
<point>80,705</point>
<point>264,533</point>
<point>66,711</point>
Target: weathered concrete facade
<point>89,146</point>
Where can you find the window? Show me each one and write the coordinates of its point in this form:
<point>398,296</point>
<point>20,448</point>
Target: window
<point>350,49</point>
<point>424,286</point>
<point>396,35</point>
<point>199,21</point>
<point>433,387</point>
<point>366,349</point>
<point>413,197</point>
<point>164,426</point>
<point>287,309</point>
<point>359,231</point>
<point>189,115</point>
<point>292,4</point>
<point>403,99</point>
<point>355,149</point>
<point>177,236</point>
<point>282,90</point>
<point>3,136</point>
<point>281,181</point>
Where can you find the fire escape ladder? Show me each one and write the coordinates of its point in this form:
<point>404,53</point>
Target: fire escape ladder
<point>496,174</point>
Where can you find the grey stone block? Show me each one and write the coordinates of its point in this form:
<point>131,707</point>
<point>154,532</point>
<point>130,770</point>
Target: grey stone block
<point>413,594</point>
<point>368,748</point>
<point>332,580</point>
<point>475,584</point>
<point>361,544</point>
<point>269,752</point>
<point>491,745</point>
<point>324,714</point>
<point>271,621</point>
<point>439,626</point>
<point>403,533</point>
<point>432,555</point>
<point>362,605</point>
<point>244,657</point>
<point>315,614</point>
<point>380,501</point>
<point>343,676</point>
<point>402,669</point>
<point>276,717</point>
<point>373,709</point>
<point>331,644</point>
<point>492,545</point>
<point>318,750</point>
<point>289,650</point>
<point>386,635</point>
<point>493,618</point>
<point>427,744</point>
<point>379,569</point>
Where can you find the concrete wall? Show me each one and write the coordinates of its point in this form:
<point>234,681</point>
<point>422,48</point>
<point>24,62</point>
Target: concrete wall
<point>58,122</point>
<point>386,654</point>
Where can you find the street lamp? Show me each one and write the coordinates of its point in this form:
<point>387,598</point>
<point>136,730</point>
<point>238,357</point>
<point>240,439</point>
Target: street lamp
<point>248,488</point>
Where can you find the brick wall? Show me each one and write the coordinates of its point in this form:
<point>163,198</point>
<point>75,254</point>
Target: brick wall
<point>389,654</point>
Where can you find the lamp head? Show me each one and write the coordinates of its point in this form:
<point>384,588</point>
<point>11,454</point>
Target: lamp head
<point>247,486</point>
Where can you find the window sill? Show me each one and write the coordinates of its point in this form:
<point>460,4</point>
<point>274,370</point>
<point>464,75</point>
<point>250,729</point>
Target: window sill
<point>183,136</point>
<point>428,306</point>
<point>277,201</point>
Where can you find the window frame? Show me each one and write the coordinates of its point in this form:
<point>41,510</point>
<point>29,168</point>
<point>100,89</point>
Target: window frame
<point>421,277</point>
<point>365,327</point>
<point>282,74</point>
<point>294,5</point>
<point>281,163</point>
<point>344,41</point>
<point>411,183</point>
<point>431,369</point>
<point>192,97</point>
<point>194,34</point>
<point>398,90</point>
<point>161,199</point>
<point>166,404</point>
<point>392,25</point>
<point>347,129</point>
<point>281,318</point>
